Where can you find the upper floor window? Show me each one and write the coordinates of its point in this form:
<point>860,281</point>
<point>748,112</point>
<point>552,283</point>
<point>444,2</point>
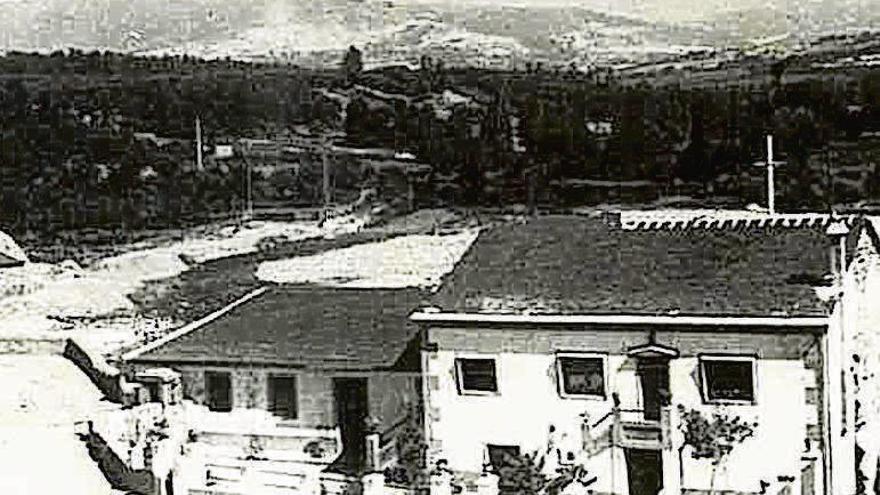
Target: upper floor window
<point>728,378</point>
<point>581,375</point>
<point>476,376</point>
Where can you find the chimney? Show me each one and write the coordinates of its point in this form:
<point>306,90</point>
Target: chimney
<point>613,218</point>
<point>838,231</point>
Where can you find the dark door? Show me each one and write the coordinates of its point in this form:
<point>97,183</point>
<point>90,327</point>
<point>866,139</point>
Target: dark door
<point>654,376</point>
<point>351,412</point>
<point>644,469</point>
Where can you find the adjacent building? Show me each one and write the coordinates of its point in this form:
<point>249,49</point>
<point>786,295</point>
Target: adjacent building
<point>588,343</point>
<point>299,368</point>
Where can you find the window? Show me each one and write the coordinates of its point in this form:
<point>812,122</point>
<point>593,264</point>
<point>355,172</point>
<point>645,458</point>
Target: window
<point>218,386</point>
<point>476,376</point>
<point>581,375</point>
<point>499,455</point>
<point>283,396</point>
<point>728,379</point>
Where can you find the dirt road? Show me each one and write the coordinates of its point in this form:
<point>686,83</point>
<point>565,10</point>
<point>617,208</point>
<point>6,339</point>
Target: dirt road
<point>42,396</point>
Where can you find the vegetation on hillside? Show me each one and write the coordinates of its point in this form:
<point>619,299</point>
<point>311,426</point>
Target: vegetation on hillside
<point>106,140</point>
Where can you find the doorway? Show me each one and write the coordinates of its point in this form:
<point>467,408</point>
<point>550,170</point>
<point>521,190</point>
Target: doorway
<point>352,408</point>
<point>654,377</point>
<point>644,471</point>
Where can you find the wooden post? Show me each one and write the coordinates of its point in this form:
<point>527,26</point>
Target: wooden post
<point>373,452</point>
<point>771,192</point>
<point>199,165</point>
<point>326,174</point>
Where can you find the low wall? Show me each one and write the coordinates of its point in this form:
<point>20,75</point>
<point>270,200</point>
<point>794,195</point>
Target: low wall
<point>120,476</point>
<point>26,345</point>
<point>107,378</point>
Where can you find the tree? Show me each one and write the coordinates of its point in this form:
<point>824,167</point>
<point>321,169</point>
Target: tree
<point>353,65</point>
<point>713,439</point>
<point>412,448</point>
<point>521,475</point>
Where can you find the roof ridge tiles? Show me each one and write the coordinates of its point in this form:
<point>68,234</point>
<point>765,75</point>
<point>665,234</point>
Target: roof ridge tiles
<point>730,222</point>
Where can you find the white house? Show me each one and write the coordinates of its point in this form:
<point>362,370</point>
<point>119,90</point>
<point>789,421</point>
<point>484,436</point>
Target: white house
<point>592,344</point>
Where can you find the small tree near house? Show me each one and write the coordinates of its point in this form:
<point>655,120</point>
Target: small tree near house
<point>411,467</point>
<point>521,475</point>
<point>713,438</point>
<point>353,65</point>
<point>524,474</point>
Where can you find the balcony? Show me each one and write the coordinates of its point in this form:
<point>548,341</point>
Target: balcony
<point>628,428</point>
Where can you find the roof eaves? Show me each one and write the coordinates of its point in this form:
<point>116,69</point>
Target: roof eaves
<point>191,327</point>
<point>621,319</point>
<point>334,366</point>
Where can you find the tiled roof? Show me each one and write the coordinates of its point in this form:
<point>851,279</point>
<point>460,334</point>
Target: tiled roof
<point>10,253</point>
<point>582,265</point>
<point>305,326</point>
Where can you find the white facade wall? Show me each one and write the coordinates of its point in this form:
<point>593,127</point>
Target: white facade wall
<point>528,402</point>
<point>389,394</point>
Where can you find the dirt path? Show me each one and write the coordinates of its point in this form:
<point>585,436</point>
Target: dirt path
<point>42,396</point>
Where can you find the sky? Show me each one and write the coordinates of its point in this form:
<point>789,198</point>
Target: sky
<point>38,23</point>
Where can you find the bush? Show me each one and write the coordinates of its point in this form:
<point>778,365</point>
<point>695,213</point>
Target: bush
<point>520,475</point>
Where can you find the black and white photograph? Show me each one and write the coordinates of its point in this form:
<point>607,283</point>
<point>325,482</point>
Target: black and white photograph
<point>439,247</point>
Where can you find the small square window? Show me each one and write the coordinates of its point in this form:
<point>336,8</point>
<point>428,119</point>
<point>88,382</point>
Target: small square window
<point>218,385</point>
<point>283,396</point>
<point>476,376</point>
<point>582,376</point>
<point>728,379</point>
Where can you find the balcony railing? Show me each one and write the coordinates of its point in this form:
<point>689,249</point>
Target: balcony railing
<point>628,428</point>
<point>382,446</point>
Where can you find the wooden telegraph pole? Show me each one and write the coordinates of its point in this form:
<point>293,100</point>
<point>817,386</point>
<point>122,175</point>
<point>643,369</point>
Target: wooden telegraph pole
<point>770,165</point>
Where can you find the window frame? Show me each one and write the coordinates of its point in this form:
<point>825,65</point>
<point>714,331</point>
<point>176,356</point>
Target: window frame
<point>560,376</point>
<point>209,396</point>
<point>704,383</point>
<point>270,395</point>
<point>459,375</point>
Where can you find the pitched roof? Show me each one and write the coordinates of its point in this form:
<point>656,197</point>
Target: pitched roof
<point>11,253</point>
<point>304,326</point>
<point>582,265</point>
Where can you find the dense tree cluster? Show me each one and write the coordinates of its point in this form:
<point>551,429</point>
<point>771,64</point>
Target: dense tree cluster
<point>73,151</point>
<point>554,132</point>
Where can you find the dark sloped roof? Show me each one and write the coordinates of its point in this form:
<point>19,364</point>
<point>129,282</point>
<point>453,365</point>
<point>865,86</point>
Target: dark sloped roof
<point>10,252</point>
<point>582,265</point>
<point>308,326</point>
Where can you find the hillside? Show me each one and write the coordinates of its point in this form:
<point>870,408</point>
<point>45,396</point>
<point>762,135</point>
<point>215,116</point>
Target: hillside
<point>473,33</point>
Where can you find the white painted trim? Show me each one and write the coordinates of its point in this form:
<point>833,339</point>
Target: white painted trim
<point>620,319</point>
<point>560,381</point>
<point>191,327</point>
<point>659,349</point>
<point>704,385</point>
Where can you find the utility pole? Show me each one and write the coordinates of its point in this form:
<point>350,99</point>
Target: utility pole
<point>199,165</point>
<point>326,173</point>
<point>770,166</point>
<point>250,192</point>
